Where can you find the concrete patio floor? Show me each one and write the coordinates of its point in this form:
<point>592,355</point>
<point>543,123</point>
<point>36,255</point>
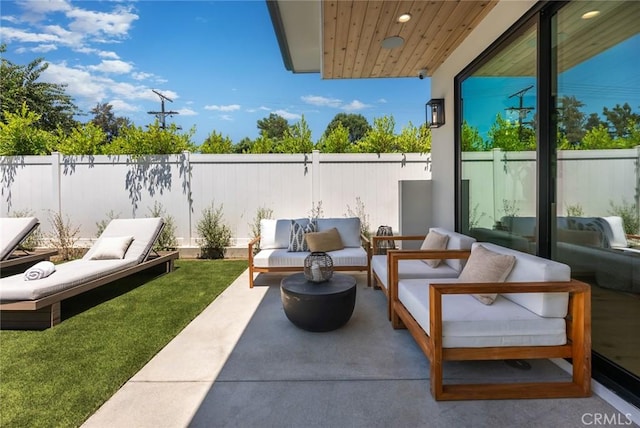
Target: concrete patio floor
<point>241,363</point>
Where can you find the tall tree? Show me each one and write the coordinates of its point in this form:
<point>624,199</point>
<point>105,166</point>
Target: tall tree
<point>104,118</point>
<point>20,84</point>
<point>571,120</point>
<point>593,121</point>
<point>273,126</point>
<point>381,138</point>
<point>297,139</point>
<point>337,141</point>
<point>19,134</point>
<point>620,118</point>
<point>215,143</point>
<point>356,124</point>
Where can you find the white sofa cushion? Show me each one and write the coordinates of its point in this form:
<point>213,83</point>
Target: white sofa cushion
<point>457,241</point>
<point>280,257</point>
<point>468,323</point>
<point>410,269</point>
<point>349,229</point>
<point>617,237</point>
<point>530,268</point>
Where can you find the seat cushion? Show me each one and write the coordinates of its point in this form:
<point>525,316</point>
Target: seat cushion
<point>280,257</point>
<point>13,230</point>
<point>410,269</point>
<point>467,323</point>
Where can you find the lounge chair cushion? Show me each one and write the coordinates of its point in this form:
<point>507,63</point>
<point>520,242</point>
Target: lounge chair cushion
<point>13,230</point>
<point>112,248</point>
<point>486,266</point>
<point>144,230</point>
<point>434,241</point>
<point>326,241</point>
<point>466,323</point>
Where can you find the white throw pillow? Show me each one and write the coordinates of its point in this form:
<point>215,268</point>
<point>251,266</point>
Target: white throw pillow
<point>486,266</point>
<point>434,241</point>
<point>109,248</point>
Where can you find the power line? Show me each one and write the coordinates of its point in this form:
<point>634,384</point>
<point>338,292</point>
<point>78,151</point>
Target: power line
<point>162,114</point>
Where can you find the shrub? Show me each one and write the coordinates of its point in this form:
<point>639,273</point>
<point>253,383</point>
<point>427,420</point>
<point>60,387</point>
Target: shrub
<point>629,213</point>
<point>64,236</point>
<point>316,211</point>
<point>362,215</point>
<point>261,213</point>
<point>575,210</point>
<point>167,239</point>
<point>214,234</point>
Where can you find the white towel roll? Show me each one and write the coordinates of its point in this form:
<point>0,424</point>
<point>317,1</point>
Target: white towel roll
<point>39,270</point>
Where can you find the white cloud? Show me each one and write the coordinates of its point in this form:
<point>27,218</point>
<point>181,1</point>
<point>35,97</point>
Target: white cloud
<point>382,101</point>
<point>80,83</point>
<point>287,115</point>
<point>226,117</point>
<point>120,106</point>
<point>44,48</point>
<point>264,108</point>
<point>139,75</point>
<point>187,112</point>
<point>230,107</point>
<point>11,19</point>
<point>116,23</point>
<point>10,34</point>
<point>112,66</point>
<point>354,106</point>
<point>317,100</point>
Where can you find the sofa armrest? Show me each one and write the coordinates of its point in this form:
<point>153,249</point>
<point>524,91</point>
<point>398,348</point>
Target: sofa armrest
<point>376,239</point>
<point>252,243</point>
<point>366,244</point>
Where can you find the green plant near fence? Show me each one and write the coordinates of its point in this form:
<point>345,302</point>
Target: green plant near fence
<point>261,213</point>
<point>629,213</point>
<point>34,240</point>
<point>167,239</point>
<point>215,235</point>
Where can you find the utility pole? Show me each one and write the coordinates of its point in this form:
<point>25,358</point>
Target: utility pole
<point>162,114</point>
<point>521,109</point>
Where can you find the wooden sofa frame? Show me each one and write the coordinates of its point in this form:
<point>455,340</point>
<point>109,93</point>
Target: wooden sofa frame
<point>578,346</point>
<point>43,313</point>
<point>366,244</point>
<point>29,257</point>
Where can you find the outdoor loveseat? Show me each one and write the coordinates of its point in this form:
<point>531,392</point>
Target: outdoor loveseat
<point>283,249</point>
<point>506,304</point>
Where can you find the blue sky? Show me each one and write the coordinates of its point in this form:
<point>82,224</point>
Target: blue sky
<point>218,61</point>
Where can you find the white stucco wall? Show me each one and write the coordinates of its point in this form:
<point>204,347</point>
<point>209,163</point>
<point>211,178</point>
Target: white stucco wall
<point>503,15</point>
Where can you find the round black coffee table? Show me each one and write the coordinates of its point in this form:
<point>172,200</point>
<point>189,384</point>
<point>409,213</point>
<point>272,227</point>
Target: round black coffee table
<point>323,306</point>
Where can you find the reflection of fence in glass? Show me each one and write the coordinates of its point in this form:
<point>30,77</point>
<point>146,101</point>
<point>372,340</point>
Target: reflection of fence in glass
<point>598,181</point>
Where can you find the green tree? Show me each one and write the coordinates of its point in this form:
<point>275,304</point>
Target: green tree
<point>274,126</point>
<point>84,139</point>
<point>593,121</point>
<point>619,118</point>
<point>104,118</point>
<point>414,140</point>
<point>597,138</point>
<point>471,139</point>
<point>337,141</point>
<point>381,137</point>
<point>509,136</point>
<point>155,141</point>
<point>216,143</point>
<point>20,84</point>
<point>244,146</point>
<point>356,124</point>
<point>571,120</point>
<point>20,135</point>
<point>297,139</point>
<point>263,144</point>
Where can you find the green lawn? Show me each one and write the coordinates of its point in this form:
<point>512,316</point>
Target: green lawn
<point>60,376</point>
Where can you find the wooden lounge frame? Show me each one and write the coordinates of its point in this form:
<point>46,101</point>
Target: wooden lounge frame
<point>43,313</point>
<point>577,348</point>
<point>29,257</point>
<point>366,244</point>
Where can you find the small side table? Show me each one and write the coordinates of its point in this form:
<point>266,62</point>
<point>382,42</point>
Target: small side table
<point>318,307</point>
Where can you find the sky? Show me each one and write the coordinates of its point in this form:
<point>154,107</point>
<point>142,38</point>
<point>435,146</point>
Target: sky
<point>218,61</point>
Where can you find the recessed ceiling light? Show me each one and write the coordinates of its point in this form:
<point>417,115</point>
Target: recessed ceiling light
<point>590,14</point>
<point>392,42</point>
<point>405,17</point>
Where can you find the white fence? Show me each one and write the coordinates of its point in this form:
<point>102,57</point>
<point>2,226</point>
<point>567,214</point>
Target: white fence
<point>87,188</point>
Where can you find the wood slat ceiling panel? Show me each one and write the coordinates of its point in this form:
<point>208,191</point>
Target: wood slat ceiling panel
<point>353,31</point>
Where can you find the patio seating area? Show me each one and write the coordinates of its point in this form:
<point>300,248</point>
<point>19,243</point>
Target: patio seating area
<point>241,362</point>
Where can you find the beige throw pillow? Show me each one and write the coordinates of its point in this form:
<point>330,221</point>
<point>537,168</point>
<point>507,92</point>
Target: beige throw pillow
<point>486,266</point>
<point>329,240</point>
<point>434,241</point>
<point>112,248</point>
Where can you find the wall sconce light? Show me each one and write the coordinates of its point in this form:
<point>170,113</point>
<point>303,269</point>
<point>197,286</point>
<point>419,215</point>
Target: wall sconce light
<point>435,112</point>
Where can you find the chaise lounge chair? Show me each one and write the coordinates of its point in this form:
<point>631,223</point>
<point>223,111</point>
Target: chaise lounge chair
<point>123,249</point>
<point>13,232</point>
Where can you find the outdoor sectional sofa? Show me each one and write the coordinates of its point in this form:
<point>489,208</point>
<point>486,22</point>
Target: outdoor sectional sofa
<point>539,312</point>
<point>413,263</point>
<point>122,249</point>
<point>274,242</point>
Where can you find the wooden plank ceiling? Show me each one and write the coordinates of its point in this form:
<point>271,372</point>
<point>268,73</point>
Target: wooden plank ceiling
<point>353,31</point>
